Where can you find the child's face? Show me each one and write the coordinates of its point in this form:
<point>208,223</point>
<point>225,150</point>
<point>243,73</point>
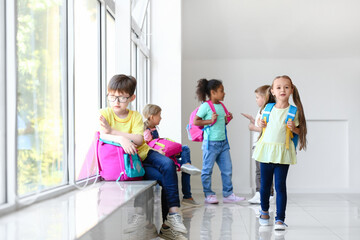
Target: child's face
<point>219,94</point>
<point>282,89</point>
<point>260,99</point>
<point>155,119</point>
<point>119,101</point>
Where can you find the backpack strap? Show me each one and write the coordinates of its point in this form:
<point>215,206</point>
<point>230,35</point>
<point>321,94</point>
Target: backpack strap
<point>266,111</point>
<point>294,137</point>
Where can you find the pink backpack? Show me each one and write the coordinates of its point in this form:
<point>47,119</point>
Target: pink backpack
<point>195,133</point>
<point>168,146</point>
<point>115,164</point>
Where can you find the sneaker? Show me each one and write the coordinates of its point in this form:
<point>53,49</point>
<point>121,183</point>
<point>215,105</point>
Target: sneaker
<point>169,233</point>
<point>190,202</point>
<point>279,225</point>
<point>255,199</point>
<point>190,169</point>
<point>137,221</point>
<point>175,221</point>
<point>233,198</point>
<point>211,199</point>
<point>264,221</point>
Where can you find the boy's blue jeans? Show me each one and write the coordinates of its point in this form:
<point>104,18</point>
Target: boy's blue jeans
<point>162,169</point>
<point>185,177</point>
<point>267,170</point>
<point>219,152</point>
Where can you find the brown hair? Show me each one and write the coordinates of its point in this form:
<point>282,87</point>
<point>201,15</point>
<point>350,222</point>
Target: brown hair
<point>262,90</point>
<point>122,83</point>
<point>150,110</point>
<point>300,110</point>
<point>205,86</point>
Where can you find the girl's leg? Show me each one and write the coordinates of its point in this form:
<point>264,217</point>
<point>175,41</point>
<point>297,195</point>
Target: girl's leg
<point>266,173</point>
<point>185,177</point>
<point>257,176</point>
<point>224,162</point>
<point>281,171</point>
<point>210,154</point>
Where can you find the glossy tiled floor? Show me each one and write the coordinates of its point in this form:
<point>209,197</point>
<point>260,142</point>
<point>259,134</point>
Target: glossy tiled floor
<point>309,216</point>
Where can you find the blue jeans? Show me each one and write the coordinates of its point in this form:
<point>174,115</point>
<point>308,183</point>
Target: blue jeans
<point>162,169</point>
<point>219,152</point>
<point>280,171</point>
<point>185,177</point>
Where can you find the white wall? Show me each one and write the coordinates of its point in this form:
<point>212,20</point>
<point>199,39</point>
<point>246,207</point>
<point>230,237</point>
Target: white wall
<point>246,44</point>
<point>166,64</point>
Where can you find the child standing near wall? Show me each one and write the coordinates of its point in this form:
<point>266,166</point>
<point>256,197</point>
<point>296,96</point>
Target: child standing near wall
<point>275,151</point>
<point>260,96</point>
<point>215,145</point>
<point>152,115</point>
<point>122,125</point>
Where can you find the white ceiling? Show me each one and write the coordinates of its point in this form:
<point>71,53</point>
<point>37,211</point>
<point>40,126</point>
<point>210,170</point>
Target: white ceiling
<point>225,29</point>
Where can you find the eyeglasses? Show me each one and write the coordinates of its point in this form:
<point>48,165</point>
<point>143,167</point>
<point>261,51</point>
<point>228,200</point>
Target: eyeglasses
<point>121,99</point>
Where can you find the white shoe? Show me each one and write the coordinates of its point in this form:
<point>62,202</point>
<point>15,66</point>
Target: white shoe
<point>137,221</point>
<point>169,233</point>
<point>255,199</point>
<point>190,169</point>
<point>175,221</point>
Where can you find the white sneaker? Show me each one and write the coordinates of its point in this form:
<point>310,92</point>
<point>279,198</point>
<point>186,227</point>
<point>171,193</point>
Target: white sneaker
<point>255,199</point>
<point>169,233</point>
<point>175,221</point>
<point>190,169</point>
<point>232,199</point>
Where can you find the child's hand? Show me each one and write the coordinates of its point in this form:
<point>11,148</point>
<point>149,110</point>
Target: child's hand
<point>291,125</point>
<point>229,116</point>
<point>248,116</point>
<point>213,117</point>
<point>105,125</point>
<point>262,123</point>
<point>128,146</point>
<point>160,151</point>
<point>251,126</point>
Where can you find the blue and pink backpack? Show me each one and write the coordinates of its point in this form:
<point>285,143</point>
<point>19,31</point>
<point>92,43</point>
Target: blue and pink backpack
<point>196,133</point>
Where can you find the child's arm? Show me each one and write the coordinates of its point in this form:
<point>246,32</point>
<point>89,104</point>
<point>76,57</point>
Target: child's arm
<point>229,115</point>
<point>198,121</point>
<point>254,128</point>
<point>248,116</point>
<point>147,135</point>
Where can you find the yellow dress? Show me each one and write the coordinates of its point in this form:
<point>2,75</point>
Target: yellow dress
<point>271,146</point>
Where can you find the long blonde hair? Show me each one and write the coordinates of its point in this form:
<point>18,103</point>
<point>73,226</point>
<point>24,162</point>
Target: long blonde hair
<point>300,110</point>
<point>148,111</point>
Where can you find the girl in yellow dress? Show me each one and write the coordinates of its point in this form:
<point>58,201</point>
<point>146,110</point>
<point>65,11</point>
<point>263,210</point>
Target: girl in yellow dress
<point>274,155</point>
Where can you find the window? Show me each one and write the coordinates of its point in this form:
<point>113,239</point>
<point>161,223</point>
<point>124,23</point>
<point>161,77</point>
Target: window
<point>40,92</point>
<point>110,46</point>
<point>2,102</point>
<point>140,51</point>
<point>86,83</point>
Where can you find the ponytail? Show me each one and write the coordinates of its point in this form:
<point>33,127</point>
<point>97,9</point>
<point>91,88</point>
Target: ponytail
<point>302,120</point>
<point>205,86</point>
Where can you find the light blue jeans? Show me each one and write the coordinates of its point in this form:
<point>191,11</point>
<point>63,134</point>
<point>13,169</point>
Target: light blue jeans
<point>219,152</point>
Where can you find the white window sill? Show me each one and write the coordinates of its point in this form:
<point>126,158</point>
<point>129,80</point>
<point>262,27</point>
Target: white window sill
<point>71,215</point>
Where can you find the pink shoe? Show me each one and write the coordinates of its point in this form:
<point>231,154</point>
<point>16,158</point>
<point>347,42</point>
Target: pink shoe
<point>211,199</point>
<point>233,198</point>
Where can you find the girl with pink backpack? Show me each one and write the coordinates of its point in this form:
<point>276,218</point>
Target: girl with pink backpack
<point>152,115</point>
<point>215,144</point>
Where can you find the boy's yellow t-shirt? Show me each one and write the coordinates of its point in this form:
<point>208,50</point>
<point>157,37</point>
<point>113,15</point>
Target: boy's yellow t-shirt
<point>133,124</point>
